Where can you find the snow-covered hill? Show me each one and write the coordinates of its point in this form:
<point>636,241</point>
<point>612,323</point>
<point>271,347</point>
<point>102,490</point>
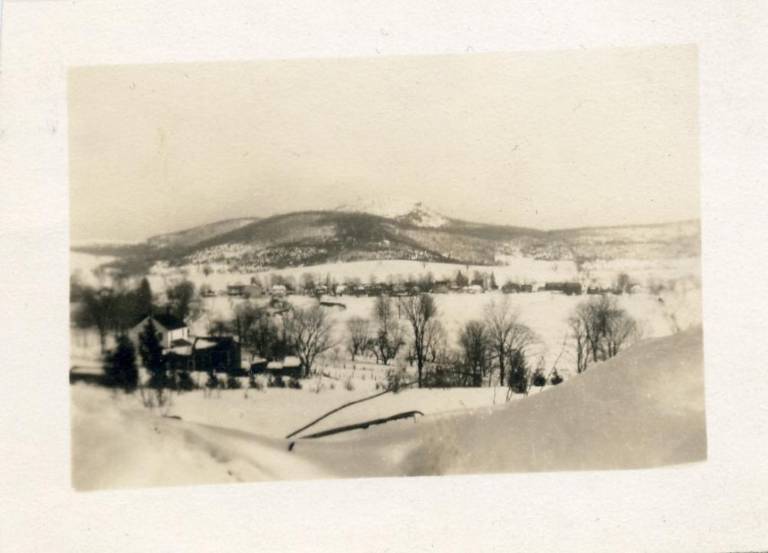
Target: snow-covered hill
<point>404,211</point>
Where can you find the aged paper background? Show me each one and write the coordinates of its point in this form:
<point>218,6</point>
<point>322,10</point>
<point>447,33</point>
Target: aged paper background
<point>719,505</point>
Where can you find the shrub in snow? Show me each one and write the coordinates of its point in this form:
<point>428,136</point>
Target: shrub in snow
<point>519,374</point>
<point>395,379</point>
<point>233,383</point>
<point>184,381</point>
<point>276,382</point>
<point>255,383</point>
<point>539,379</point>
<point>348,385</point>
<point>318,386</point>
<point>555,379</point>
<point>212,382</point>
<point>294,383</point>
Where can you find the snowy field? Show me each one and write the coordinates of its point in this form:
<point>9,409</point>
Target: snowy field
<point>643,408</point>
<point>546,313</point>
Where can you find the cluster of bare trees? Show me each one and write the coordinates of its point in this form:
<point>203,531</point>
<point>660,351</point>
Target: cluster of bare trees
<point>303,332</point>
<point>494,344</point>
<point>486,348</point>
<point>110,310</point>
<point>408,321</point>
<point>600,328</point>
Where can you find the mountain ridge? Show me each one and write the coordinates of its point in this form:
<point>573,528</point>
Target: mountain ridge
<point>419,233</point>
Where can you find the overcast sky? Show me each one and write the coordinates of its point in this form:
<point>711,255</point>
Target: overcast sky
<point>540,139</point>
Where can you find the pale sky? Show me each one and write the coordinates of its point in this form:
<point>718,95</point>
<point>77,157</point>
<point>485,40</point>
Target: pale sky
<point>539,139</point>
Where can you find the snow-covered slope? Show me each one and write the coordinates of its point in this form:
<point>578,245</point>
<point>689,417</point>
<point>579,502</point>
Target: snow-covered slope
<point>644,408</point>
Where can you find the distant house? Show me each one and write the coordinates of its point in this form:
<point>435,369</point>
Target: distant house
<point>258,365</point>
<point>440,289</point>
<point>321,290</point>
<point>235,289</point>
<point>215,354</point>
<point>289,367</point>
<point>169,328</point>
<point>278,291</point>
<point>569,288</point>
<point>206,354</point>
<point>510,288</point>
<point>515,288</point>
<point>359,290</point>
<point>399,290</point>
<point>599,291</point>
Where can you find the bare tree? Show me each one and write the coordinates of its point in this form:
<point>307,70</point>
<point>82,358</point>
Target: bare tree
<point>623,283</point>
<point>600,329</point>
<point>309,333</point>
<point>505,332</point>
<point>435,340</point>
<point>96,310</point>
<point>619,330</point>
<point>579,332</point>
<point>418,311</point>
<point>389,332</point>
<point>359,337</point>
<point>474,343</point>
<point>180,298</point>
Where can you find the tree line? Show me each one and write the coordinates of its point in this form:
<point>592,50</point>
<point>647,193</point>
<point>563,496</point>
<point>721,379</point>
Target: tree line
<point>495,348</point>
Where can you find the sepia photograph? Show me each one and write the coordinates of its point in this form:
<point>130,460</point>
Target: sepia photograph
<point>417,265</point>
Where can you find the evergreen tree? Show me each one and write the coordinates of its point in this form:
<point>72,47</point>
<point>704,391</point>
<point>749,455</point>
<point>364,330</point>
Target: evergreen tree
<point>120,366</point>
<point>518,379</point>
<point>144,298</point>
<point>494,286</point>
<point>152,355</point>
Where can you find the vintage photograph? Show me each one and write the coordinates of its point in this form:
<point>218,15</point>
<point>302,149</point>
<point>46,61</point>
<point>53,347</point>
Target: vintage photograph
<point>387,266</point>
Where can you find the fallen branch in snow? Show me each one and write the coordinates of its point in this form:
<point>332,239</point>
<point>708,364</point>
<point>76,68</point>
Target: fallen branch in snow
<point>360,425</point>
<point>337,409</point>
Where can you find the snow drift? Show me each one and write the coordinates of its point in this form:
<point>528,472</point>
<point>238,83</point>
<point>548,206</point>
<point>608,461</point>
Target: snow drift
<point>642,409</point>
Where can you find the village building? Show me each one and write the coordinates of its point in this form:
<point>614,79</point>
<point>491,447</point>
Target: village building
<point>289,367</point>
<point>169,329</point>
<point>205,354</point>
<point>278,291</point>
<point>340,289</point>
<point>236,290</point>
<point>568,288</point>
<point>215,354</point>
<point>258,365</point>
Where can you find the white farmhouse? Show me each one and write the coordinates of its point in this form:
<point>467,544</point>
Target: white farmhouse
<point>170,330</point>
